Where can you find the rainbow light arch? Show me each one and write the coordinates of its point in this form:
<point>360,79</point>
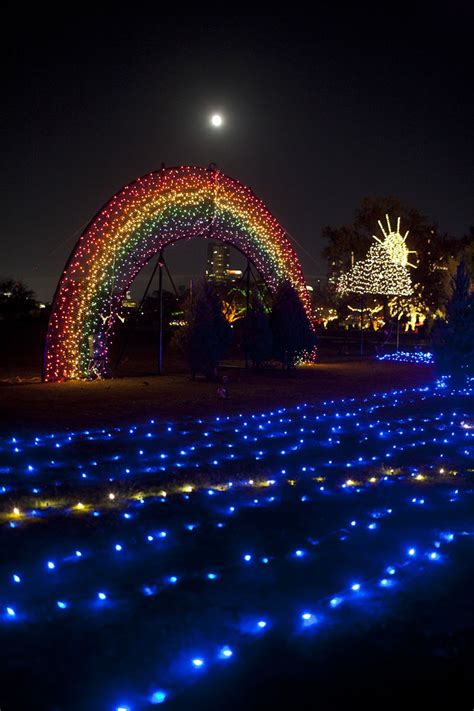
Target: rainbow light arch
<point>140,220</point>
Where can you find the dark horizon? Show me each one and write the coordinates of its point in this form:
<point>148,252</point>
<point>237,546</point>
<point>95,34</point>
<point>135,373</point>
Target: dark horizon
<point>317,117</point>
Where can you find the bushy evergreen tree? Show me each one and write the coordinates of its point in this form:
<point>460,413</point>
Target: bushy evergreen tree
<point>453,337</point>
<point>257,333</point>
<point>292,333</point>
<point>206,337</point>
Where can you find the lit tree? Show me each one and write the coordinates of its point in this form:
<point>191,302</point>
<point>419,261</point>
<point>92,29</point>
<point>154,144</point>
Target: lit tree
<point>384,271</point>
<point>433,250</point>
<point>377,274</point>
<point>234,304</point>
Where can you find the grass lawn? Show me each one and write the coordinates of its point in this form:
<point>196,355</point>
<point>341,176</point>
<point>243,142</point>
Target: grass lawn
<point>75,405</point>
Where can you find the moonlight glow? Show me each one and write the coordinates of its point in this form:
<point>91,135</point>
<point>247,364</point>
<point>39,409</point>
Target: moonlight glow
<point>216,120</point>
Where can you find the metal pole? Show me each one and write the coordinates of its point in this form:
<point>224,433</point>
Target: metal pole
<point>257,284</point>
<point>361,325</point>
<point>247,294</point>
<point>160,308</point>
<point>171,279</point>
<point>247,299</point>
<point>398,322</point>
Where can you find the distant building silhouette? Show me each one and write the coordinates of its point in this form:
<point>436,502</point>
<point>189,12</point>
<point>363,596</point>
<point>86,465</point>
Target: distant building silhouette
<point>218,262</point>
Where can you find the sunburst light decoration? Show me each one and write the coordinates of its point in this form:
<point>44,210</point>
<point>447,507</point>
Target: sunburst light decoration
<point>385,269</point>
<point>395,244</point>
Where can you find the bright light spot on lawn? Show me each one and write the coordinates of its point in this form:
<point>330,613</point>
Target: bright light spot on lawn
<point>226,653</point>
<point>158,697</point>
<point>308,619</point>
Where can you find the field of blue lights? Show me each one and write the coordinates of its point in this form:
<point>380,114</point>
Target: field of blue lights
<point>141,561</point>
<point>407,357</point>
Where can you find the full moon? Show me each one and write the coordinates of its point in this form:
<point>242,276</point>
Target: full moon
<point>216,120</point>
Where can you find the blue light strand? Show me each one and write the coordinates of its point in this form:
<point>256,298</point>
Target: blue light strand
<point>407,357</point>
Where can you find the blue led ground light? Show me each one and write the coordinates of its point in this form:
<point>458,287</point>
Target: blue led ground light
<point>408,357</point>
<point>296,519</point>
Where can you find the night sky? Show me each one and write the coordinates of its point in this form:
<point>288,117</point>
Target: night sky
<point>319,113</point>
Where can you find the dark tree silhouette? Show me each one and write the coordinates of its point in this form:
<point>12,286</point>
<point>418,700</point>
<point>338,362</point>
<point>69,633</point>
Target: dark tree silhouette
<point>151,307</point>
<point>453,337</point>
<point>16,300</point>
<point>206,337</point>
<point>292,333</point>
<point>257,333</point>
<point>468,250</point>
